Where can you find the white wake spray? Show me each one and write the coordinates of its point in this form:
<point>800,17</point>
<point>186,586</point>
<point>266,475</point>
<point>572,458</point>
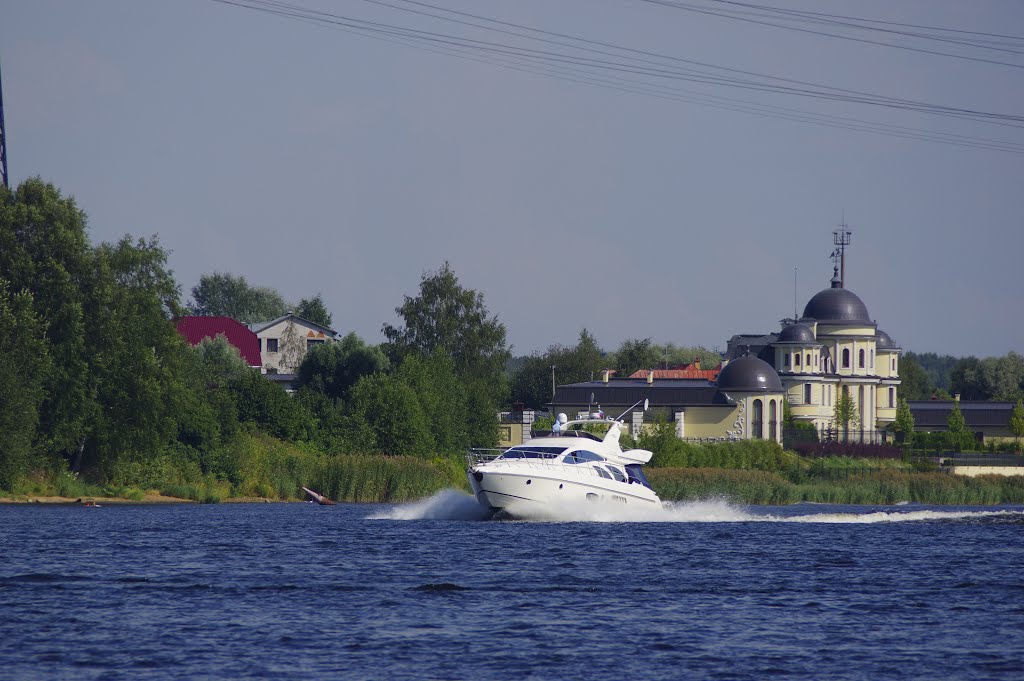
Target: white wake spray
<point>451,504</point>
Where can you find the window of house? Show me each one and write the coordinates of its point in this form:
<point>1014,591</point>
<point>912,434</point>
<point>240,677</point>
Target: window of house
<point>808,362</point>
<point>796,359</point>
<point>271,345</point>
<point>772,420</point>
<point>892,397</point>
<point>757,424</point>
<point>807,393</point>
<point>311,342</point>
<point>846,358</point>
<point>872,359</point>
<point>785,360</point>
<point>860,359</point>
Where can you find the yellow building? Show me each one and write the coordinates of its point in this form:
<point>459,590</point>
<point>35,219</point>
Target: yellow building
<point>834,348</point>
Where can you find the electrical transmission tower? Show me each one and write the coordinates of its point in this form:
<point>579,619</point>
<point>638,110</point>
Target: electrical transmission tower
<point>3,139</point>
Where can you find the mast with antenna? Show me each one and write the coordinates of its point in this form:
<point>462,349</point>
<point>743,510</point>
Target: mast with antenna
<point>841,239</point>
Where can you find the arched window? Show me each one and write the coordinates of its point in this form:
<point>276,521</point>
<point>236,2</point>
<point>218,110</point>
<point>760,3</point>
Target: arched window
<point>757,423</point>
<point>860,358</point>
<point>772,421</point>
<point>785,359</point>
<point>796,359</point>
<point>846,358</point>
<point>808,362</point>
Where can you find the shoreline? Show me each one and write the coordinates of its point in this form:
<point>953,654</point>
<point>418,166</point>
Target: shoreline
<point>148,499</point>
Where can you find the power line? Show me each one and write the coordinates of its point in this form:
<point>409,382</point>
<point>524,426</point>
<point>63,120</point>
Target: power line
<point>631,74</point>
<point>738,17</point>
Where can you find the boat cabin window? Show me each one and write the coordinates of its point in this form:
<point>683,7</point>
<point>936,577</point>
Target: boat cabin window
<point>581,456</point>
<point>616,473</point>
<point>532,453</point>
<point>636,474</point>
<point>602,472</point>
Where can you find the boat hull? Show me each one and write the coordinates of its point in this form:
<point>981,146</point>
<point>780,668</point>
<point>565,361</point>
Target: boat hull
<point>537,491</point>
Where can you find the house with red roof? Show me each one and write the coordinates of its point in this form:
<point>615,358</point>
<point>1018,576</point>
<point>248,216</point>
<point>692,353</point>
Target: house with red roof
<point>195,329</point>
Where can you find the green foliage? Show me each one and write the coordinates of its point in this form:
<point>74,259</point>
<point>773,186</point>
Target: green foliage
<point>670,355</point>
<point>331,369</point>
<point>845,414</point>
<point>634,355</point>
<point>671,452</point>
<point>314,310</point>
<point>532,383</point>
<point>904,422</point>
<point>228,295</point>
<point>24,366</point>
<point>269,406</point>
<point>392,410</point>
<point>1017,420</point>
<point>955,422</point>
<point>445,316</point>
<point>220,359</point>
<point>858,486</point>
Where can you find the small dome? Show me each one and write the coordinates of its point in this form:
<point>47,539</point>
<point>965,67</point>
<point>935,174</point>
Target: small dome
<point>837,305</point>
<point>883,341</point>
<point>796,333</point>
<point>749,374</point>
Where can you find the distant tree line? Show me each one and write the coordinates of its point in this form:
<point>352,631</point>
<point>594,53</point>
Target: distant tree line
<point>993,378</point>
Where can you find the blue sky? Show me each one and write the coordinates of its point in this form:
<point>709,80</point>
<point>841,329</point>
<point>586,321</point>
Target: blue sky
<point>313,159</point>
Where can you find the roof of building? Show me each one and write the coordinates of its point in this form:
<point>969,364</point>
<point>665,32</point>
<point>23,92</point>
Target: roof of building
<point>837,305</point>
<point>759,345</point>
<point>623,392</point>
<point>749,374</point>
<point>260,326</point>
<point>195,329</point>
<point>796,333</point>
<point>662,374</point>
<point>933,414</point>
<point>883,341</point>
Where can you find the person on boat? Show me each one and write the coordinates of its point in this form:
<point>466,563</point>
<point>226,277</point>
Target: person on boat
<point>559,424</point>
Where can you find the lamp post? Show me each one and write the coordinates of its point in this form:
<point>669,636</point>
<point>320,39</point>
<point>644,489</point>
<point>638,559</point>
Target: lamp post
<point>553,367</point>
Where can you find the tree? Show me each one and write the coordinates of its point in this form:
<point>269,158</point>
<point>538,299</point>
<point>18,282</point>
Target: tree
<point>220,359</point>
<point>292,346</point>
<point>314,310</point>
<point>634,355</point>
<point>904,422</point>
<point>24,365</point>
<point>670,355</point>
<point>968,379</point>
<point>915,382</point>
<point>448,318</point>
<point>1017,421</point>
<point>955,422</point>
<point>333,368</point>
<point>228,295</point>
<point>532,383</point>
<point>845,412</point>
<point>453,319</point>
<point>394,415</point>
<point>44,249</point>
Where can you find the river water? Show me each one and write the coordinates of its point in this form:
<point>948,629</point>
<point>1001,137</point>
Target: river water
<point>429,591</point>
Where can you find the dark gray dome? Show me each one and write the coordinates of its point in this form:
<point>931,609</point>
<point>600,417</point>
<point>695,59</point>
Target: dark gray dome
<point>883,341</point>
<point>837,305</point>
<point>796,333</point>
<point>749,374</point>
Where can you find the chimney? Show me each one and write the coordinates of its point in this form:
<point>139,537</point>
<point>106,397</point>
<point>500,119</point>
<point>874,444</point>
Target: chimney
<point>650,375</point>
<point>696,362</point>
<point>605,374</point>
<point>956,397</point>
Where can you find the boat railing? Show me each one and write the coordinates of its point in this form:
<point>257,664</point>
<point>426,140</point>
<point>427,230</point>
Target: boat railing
<point>545,461</point>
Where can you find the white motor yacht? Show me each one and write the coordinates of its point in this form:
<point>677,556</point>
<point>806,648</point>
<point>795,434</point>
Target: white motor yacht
<point>567,469</point>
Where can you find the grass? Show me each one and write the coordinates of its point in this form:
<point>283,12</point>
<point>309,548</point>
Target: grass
<point>880,486</point>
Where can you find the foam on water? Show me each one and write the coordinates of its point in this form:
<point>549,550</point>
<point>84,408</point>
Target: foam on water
<point>451,504</point>
<point>448,504</point>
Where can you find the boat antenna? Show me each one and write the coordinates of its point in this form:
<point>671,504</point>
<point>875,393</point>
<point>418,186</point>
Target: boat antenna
<point>646,403</point>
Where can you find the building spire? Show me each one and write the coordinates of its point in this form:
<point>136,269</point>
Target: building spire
<point>841,239</point>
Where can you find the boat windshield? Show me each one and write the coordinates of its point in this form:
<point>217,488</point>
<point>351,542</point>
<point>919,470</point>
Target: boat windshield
<point>616,473</point>
<point>532,453</point>
<point>581,456</point>
<point>636,474</point>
